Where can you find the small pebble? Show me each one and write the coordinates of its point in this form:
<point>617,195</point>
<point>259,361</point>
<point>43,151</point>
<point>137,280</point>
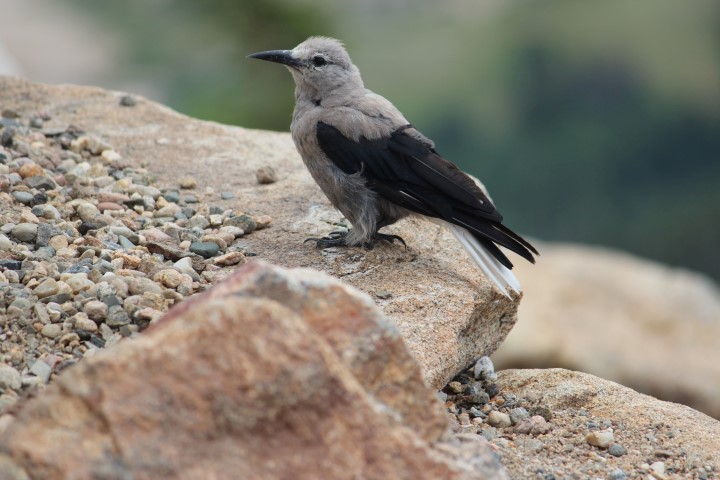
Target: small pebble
<point>601,439</point>
<point>489,433</point>
<point>9,378</point>
<point>188,183</point>
<point>518,414</point>
<point>25,232</point>
<point>227,195</point>
<point>41,370</point>
<point>498,419</point>
<point>483,369</point>
<point>127,101</point>
<point>52,330</point>
<point>96,310</point>
<point>616,450</point>
<point>205,249</point>
<point>266,175</point>
<point>228,259</point>
<point>617,474</point>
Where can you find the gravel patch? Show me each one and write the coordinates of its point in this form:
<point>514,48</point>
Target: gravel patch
<point>536,443</point>
<point>94,249</point>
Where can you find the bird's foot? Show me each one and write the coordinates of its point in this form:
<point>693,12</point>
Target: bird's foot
<point>334,239</point>
<point>389,238</point>
<point>339,239</point>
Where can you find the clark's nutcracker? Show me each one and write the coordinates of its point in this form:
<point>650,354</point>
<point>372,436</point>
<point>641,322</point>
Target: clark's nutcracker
<point>376,168</point>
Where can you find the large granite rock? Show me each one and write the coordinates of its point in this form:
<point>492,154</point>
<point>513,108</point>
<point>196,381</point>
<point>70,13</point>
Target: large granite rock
<point>274,374</point>
<point>639,323</point>
<point>444,308</point>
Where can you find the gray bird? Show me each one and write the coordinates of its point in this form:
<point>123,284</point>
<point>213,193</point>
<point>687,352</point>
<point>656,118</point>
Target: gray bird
<point>376,168</point>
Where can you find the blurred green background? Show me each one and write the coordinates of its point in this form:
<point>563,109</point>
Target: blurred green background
<point>596,122</point>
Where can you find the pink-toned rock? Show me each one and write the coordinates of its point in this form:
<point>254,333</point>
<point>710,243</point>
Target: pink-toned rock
<point>112,197</point>
<point>156,235</point>
<point>263,221</point>
<point>232,258</point>
<point>271,362</point>
<point>104,206</point>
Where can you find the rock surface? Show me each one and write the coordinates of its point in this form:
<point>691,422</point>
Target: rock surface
<point>641,324</point>
<point>447,312</point>
<point>649,432</point>
<point>281,374</point>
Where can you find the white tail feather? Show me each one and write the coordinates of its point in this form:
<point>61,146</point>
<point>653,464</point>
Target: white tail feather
<point>496,272</point>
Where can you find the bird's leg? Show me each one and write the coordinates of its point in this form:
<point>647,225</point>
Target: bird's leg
<point>384,236</point>
<point>337,238</point>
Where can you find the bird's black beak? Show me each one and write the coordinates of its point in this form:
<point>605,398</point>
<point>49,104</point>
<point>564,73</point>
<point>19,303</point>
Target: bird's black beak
<point>278,56</point>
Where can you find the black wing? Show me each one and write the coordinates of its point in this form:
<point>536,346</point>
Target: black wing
<point>407,171</point>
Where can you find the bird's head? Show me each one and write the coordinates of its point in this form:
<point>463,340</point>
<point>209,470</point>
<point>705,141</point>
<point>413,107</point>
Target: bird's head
<point>320,67</point>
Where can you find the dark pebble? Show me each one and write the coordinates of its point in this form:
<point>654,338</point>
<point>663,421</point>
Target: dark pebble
<point>44,232</point>
<point>190,199</point>
<point>59,298</point>
<point>10,264</point>
<point>83,266</point>
<point>205,249</point>
<point>135,202</point>
<point>480,398</point>
<point>117,317</point>
<point>245,222</point>
<point>85,227</point>
<point>6,138</point>
<point>41,183</point>
<point>111,300</point>
<point>541,411</point>
<point>616,450</point>
<point>215,210</point>
<point>36,122</point>
<point>227,195</point>
<point>128,101</point>
<point>492,390</point>
<point>474,412</point>
<point>470,389</point>
<point>97,341</point>
<point>103,266</point>
<point>188,212</point>
<point>510,400</point>
<point>40,198</point>
<point>84,335</point>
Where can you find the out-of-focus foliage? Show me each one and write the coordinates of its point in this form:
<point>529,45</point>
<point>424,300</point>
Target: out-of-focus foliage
<point>194,53</point>
<point>589,121</point>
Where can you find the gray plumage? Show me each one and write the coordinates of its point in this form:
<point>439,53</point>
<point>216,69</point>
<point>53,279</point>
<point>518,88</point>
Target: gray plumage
<point>376,168</point>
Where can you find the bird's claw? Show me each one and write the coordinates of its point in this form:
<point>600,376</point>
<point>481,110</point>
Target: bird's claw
<point>389,238</point>
<point>334,239</point>
<point>338,238</point>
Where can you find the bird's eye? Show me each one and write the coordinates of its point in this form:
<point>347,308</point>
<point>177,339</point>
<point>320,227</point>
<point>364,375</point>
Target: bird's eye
<point>319,61</point>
